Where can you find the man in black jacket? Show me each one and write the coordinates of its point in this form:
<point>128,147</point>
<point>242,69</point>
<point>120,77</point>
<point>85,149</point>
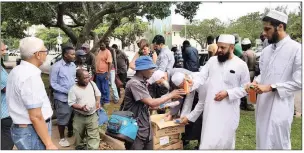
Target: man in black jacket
<point>190,56</point>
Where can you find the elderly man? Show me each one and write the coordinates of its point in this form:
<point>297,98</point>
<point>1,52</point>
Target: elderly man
<point>165,60</point>
<point>138,100</point>
<point>221,106</point>
<point>281,71</point>
<point>84,98</point>
<point>6,121</point>
<point>90,57</point>
<point>28,103</point>
<point>62,78</point>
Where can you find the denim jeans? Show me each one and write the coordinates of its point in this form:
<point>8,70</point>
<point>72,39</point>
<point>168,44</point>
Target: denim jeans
<point>103,86</point>
<point>26,138</point>
<point>113,86</point>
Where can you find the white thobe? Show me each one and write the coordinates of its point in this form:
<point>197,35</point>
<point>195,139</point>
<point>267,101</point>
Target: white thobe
<point>280,65</point>
<point>221,118</point>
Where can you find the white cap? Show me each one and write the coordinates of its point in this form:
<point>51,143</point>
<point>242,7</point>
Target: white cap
<point>228,39</point>
<point>246,41</point>
<point>278,16</point>
<point>156,76</point>
<point>178,78</point>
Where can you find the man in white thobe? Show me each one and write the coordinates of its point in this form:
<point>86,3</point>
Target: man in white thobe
<point>228,74</point>
<point>280,77</point>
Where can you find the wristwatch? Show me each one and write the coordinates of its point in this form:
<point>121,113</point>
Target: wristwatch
<point>273,87</point>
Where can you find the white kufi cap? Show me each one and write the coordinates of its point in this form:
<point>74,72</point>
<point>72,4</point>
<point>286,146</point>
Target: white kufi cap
<point>157,75</point>
<point>280,16</point>
<point>246,41</point>
<point>228,39</point>
<point>178,78</point>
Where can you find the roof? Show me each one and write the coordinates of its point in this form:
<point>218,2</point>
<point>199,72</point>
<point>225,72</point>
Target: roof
<point>176,27</point>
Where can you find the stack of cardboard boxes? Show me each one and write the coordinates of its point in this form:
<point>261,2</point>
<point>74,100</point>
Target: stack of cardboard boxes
<point>166,135</point>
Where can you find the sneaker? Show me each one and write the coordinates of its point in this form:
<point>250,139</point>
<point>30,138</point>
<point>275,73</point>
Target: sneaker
<point>250,107</point>
<point>64,143</point>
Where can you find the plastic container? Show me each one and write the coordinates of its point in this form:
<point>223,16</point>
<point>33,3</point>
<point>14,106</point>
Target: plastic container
<point>252,95</point>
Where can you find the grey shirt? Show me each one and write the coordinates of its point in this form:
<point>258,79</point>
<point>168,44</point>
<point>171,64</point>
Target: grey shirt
<point>165,60</point>
<point>135,91</point>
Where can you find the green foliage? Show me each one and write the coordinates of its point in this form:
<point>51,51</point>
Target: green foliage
<point>49,36</point>
<point>127,32</point>
<point>86,16</point>
<point>247,26</point>
<point>200,30</point>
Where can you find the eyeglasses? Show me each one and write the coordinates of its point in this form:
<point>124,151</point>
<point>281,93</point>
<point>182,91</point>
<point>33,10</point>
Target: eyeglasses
<point>47,51</point>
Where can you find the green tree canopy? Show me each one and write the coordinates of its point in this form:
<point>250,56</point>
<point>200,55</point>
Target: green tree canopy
<point>86,16</point>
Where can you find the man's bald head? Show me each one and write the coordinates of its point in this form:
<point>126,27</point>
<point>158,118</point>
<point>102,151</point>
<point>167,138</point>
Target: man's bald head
<point>83,77</point>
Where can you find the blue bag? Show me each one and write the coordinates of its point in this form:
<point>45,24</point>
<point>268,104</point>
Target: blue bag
<point>102,117</point>
<point>122,126</point>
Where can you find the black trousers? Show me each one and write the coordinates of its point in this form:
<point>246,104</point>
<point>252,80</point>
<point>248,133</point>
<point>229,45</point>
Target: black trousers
<point>6,138</point>
<point>139,144</point>
<point>123,79</point>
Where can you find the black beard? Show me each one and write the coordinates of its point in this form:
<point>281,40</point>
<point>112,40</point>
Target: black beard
<point>82,84</point>
<point>223,58</point>
<point>275,37</point>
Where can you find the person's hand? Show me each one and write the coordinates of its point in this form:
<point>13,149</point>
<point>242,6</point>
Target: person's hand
<point>262,88</point>
<point>51,147</point>
<point>98,105</point>
<point>176,94</point>
<point>108,76</point>
<point>221,95</point>
<point>84,108</point>
<point>184,120</point>
<point>247,86</point>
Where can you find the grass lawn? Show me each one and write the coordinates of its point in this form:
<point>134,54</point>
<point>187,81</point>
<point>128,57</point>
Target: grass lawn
<point>245,137</point>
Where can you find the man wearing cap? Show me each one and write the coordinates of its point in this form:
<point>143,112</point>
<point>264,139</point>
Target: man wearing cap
<point>28,103</point>
<point>281,68</point>
<point>221,106</point>
<point>81,58</point>
<point>90,57</point>
<point>138,100</point>
<point>237,47</point>
<point>250,59</point>
<point>193,129</point>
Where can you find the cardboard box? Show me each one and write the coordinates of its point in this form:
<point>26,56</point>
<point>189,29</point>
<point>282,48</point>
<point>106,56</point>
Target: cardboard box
<point>175,146</point>
<point>159,142</point>
<point>161,128</point>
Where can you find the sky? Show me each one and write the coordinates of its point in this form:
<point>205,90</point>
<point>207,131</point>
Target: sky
<point>231,10</point>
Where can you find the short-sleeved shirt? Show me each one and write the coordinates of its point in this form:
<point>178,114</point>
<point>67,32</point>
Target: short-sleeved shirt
<point>103,59</point>
<point>25,90</point>
<point>4,109</point>
<point>136,90</point>
<point>84,96</point>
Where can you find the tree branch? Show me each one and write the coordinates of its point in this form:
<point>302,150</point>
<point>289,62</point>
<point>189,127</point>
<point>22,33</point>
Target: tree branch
<point>60,23</point>
<point>74,19</point>
<point>113,26</point>
<point>85,10</point>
